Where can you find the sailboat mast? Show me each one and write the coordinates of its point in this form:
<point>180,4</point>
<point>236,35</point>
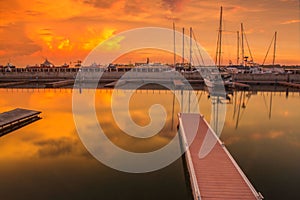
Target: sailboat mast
<point>220,36</point>
<point>243,50</point>
<point>274,53</point>
<point>238,48</point>
<point>190,66</point>
<point>183,46</point>
<point>174,43</point>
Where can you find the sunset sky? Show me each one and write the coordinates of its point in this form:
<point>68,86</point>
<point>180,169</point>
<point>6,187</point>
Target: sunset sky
<point>67,30</point>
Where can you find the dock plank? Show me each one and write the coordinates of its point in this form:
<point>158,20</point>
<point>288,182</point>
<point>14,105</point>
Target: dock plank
<point>16,119</point>
<point>217,175</point>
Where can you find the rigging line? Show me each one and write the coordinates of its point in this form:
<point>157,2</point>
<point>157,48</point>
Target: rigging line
<point>248,46</point>
<point>197,60</point>
<point>197,56</point>
<point>198,48</point>
<point>268,50</point>
<point>193,60</point>
<point>187,47</point>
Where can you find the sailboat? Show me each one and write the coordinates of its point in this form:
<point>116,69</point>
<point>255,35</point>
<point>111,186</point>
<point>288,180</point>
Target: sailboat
<point>216,79</point>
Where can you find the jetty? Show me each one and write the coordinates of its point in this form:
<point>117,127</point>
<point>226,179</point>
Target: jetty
<point>241,85</point>
<point>58,84</point>
<point>114,83</point>
<point>215,176</point>
<point>289,84</point>
<point>14,83</point>
<point>17,118</point>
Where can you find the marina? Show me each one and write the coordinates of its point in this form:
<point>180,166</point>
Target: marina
<point>137,106</point>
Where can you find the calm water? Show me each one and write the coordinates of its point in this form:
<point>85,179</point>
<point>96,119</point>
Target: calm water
<point>46,159</point>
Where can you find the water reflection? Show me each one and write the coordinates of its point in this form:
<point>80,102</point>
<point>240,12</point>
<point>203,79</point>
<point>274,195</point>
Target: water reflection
<point>262,133</point>
<point>46,160</point>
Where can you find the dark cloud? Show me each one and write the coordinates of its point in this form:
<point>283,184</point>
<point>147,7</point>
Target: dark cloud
<point>14,41</point>
<point>172,18</point>
<point>100,3</point>
<point>133,7</point>
<point>33,13</point>
<point>55,147</point>
<point>174,5</point>
<point>59,147</point>
<point>46,32</point>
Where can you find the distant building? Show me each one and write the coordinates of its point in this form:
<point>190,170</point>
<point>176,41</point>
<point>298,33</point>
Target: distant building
<point>47,64</point>
<point>8,67</point>
<point>64,66</point>
<point>78,63</point>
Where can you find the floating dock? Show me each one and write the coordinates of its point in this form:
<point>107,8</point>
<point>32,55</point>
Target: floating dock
<point>289,84</point>
<point>241,85</point>
<point>114,83</point>
<point>215,176</point>
<point>59,84</point>
<point>17,118</point>
<point>14,83</point>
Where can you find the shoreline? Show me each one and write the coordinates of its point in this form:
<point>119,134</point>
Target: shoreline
<point>89,78</point>
<point>196,87</point>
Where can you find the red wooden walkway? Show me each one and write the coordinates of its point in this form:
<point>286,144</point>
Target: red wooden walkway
<point>216,175</point>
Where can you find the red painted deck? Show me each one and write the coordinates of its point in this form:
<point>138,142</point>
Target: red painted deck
<point>216,175</point>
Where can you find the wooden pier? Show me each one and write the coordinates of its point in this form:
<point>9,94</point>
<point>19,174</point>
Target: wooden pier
<point>215,176</point>
<point>17,118</point>
<point>240,85</point>
<point>289,84</point>
<point>14,83</point>
<point>59,84</point>
<point>114,83</point>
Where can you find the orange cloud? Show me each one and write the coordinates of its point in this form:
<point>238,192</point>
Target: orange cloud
<point>69,29</point>
<point>291,21</point>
